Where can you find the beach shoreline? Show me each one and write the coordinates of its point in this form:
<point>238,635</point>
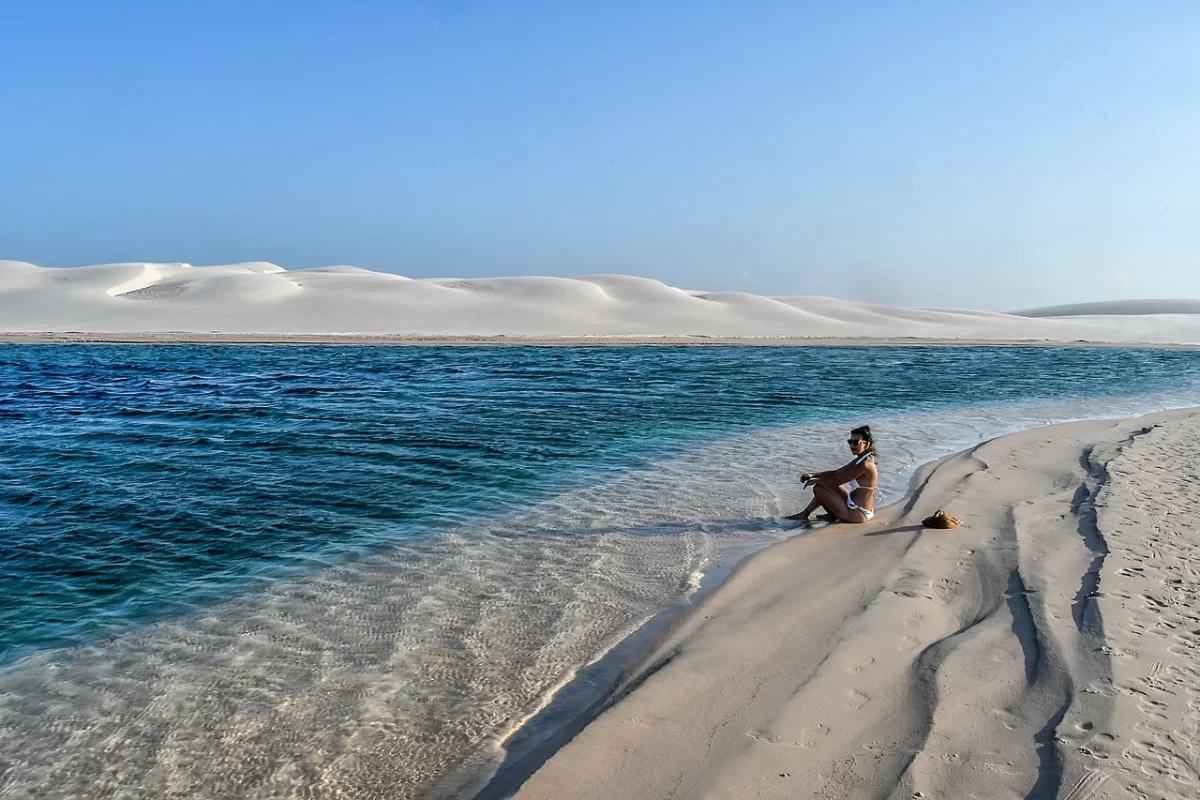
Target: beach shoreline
<point>523,602</point>
<point>189,338</point>
<point>785,681</point>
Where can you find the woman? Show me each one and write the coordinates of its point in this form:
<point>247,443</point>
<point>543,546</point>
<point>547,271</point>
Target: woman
<point>847,493</point>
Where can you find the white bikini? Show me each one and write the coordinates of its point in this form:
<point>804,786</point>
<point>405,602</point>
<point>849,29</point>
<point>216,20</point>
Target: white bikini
<point>854,485</point>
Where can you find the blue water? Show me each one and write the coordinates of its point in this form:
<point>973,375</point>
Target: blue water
<point>138,482</point>
<point>282,572</point>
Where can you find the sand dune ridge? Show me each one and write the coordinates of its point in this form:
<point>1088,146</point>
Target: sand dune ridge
<point>263,298</point>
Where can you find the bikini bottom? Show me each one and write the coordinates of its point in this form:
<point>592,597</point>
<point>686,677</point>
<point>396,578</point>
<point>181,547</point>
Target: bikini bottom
<point>868,513</point>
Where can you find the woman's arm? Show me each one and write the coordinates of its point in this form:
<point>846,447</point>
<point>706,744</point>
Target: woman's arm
<point>836,477</point>
<point>825,478</point>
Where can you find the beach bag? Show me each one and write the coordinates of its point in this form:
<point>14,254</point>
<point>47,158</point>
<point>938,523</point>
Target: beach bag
<point>942,521</point>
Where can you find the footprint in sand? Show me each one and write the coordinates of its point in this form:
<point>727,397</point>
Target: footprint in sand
<point>909,642</point>
<point>858,699</point>
<point>860,665</point>
<point>809,736</point>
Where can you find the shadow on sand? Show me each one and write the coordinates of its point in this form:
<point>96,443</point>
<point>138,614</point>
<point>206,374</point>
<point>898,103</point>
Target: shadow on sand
<point>900,529</point>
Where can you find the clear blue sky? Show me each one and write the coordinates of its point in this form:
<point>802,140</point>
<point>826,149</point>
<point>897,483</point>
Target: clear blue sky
<point>987,154</point>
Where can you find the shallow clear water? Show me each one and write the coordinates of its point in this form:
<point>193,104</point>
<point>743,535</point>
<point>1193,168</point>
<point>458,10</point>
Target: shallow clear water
<point>355,571</point>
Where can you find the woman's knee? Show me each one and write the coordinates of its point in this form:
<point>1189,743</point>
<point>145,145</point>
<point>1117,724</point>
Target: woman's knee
<point>827,493</point>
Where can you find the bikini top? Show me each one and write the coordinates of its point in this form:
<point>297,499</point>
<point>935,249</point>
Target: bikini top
<point>854,485</point>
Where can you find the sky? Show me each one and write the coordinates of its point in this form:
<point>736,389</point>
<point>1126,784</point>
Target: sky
<point>986,155</point>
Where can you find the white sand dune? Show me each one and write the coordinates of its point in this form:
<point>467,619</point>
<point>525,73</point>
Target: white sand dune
<point>262,298</point>
<point>1117,308</point>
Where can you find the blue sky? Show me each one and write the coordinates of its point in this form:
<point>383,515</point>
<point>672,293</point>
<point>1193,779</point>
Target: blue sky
<point>971,154</point>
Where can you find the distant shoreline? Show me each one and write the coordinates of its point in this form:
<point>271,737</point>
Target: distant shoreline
<point>184,337</point>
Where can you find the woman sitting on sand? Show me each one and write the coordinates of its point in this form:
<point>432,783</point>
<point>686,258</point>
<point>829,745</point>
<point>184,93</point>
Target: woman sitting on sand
<point>848,493</point>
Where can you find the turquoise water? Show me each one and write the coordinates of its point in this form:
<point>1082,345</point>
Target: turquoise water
<point>352,570</point>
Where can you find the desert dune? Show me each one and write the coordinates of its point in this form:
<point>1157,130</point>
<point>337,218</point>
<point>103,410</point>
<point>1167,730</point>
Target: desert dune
<point>263,299</point>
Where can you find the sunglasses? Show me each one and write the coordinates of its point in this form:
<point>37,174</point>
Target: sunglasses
<point>854,441</point>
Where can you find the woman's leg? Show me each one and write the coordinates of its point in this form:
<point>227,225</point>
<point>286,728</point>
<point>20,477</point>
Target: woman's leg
<point>808,510</point>
<point>826,497</point>
<point>835,503</point>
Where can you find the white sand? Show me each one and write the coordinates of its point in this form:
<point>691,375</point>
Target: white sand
<point>260,298</point>
<point>885,662</point>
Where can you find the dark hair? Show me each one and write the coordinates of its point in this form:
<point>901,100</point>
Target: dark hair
<point>864,432</point>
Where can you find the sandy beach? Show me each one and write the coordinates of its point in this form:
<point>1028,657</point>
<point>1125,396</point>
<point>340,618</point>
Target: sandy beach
<point>1045,649</point>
